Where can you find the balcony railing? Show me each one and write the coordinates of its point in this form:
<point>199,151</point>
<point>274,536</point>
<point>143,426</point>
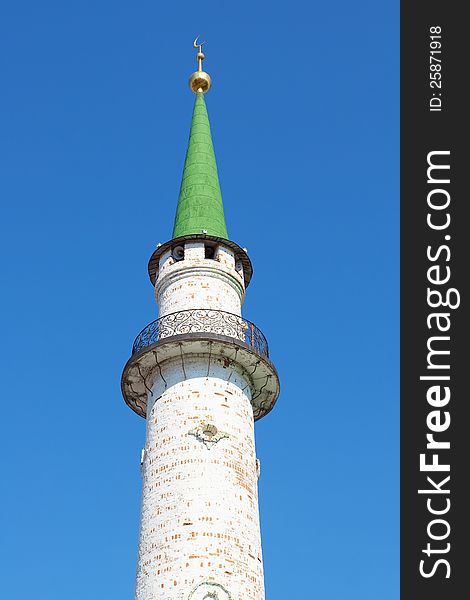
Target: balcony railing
<point>203,320</point>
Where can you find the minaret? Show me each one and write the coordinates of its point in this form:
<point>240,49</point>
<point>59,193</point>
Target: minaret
<point>201,375</point>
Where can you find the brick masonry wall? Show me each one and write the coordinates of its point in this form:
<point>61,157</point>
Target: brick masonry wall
<point>200,535</point>
<point>197,282</point>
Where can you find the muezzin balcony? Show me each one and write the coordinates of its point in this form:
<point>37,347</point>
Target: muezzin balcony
<point>235,341</point>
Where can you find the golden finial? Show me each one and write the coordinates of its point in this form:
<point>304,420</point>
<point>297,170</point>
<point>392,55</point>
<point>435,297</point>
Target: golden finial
<point>200,81</point>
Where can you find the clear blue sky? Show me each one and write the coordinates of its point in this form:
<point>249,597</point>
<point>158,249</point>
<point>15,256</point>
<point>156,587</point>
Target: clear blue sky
<point>95,115</point>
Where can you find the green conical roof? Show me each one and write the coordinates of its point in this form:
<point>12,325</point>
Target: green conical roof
<point>200,205</point>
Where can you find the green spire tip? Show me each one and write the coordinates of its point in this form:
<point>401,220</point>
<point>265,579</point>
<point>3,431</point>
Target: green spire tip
<point>200,208</point>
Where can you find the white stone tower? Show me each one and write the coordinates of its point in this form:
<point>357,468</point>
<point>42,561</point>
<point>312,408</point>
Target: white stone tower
<point>200,374</point>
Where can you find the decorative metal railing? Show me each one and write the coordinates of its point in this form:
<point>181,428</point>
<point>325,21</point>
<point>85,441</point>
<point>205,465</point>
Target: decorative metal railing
<point>202,320</point>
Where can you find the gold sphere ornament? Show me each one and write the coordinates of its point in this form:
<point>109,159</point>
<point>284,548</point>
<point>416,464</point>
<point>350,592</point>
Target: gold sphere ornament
<point>200,81</point>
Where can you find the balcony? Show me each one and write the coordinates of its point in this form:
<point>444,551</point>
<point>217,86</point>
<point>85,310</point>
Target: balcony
<point>203,320</point>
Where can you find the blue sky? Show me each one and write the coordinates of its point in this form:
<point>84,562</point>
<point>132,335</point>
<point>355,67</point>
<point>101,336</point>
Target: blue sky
<point>95,115</point>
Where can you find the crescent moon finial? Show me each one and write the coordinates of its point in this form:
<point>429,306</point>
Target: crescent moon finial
<point>200,45</point>
<point>199,81</point>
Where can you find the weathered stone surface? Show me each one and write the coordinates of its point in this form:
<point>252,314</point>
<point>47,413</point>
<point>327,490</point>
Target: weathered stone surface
<point>197,282</point>
<point>199,519</point>
<point>200,533</point>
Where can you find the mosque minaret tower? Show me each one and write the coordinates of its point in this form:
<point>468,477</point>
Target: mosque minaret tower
<point>200,375</point>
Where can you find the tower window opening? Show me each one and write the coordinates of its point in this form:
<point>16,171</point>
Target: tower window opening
<point>210,251</point>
